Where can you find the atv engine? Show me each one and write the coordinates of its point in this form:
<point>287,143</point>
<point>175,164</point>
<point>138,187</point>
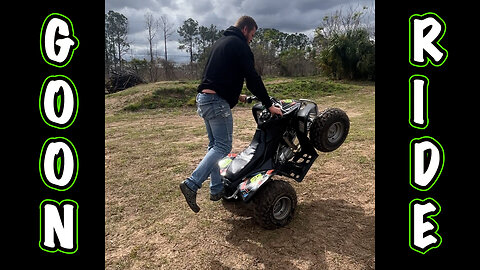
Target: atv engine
<point>284,153</point>
<point>287,149</point>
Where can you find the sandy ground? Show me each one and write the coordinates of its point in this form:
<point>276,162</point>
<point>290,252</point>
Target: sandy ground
<point>148,225</point>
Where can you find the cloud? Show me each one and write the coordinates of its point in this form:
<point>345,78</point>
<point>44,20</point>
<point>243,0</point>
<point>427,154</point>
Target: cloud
<point>285,15</point>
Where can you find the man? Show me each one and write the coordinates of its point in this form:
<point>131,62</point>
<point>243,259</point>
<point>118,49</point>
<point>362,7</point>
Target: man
<point>230,63</point>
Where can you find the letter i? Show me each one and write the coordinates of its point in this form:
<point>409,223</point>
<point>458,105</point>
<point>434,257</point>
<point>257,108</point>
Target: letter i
<point>418,101</point>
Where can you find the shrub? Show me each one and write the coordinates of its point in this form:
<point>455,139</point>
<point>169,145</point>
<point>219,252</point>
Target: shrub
<point>349,55</point>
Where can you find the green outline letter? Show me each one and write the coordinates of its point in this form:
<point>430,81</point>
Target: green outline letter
<point>431,149</point>
<point>417,102</point>
<point>422,229</point>
<point>54,24</point>
<point>65,227</point>
<point>431,50</point>
<point>58,163</point>
<point>52,107</point>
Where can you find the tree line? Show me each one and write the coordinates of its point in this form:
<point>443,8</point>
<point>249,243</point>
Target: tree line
<point>343,47</point>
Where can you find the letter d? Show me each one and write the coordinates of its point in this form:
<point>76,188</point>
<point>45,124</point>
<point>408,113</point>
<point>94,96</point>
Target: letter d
<point>426,162</point>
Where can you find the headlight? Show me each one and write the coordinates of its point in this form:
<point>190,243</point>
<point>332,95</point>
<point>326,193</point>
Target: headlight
<point>258,115</point>
<point>306,115</point>
<point>311,116</point>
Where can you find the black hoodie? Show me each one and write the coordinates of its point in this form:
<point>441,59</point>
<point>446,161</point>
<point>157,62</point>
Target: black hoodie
<point>230,62</point>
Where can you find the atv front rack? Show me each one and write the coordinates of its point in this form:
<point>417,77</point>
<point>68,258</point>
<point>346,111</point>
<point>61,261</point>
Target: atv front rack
<point>298,166</point>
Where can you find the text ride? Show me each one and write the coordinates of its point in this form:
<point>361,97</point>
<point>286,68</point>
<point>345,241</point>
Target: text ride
<point>427,156</point>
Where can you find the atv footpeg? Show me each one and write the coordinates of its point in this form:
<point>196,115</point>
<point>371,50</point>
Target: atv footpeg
<point>298,166</point>
<point>233,196</point>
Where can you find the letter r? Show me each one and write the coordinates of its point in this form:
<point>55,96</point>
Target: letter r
<point>425,48</point>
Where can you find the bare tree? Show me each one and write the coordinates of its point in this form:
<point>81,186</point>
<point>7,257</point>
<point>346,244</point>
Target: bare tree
<point>167,31</point>
<point>152,27</point>
<point>354,18</point>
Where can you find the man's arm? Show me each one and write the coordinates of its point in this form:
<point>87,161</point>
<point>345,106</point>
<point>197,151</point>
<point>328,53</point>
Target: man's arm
<point>272,109</point>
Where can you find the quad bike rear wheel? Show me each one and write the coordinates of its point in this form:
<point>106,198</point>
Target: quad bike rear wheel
<point>329,129</point>
<point>274,205</point>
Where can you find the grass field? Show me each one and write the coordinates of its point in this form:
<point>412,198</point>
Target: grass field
<point>154,140</point>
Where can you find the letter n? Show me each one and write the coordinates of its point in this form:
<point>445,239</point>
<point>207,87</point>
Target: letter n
<point>59,226</point>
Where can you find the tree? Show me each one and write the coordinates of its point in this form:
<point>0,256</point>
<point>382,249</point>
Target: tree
<point>346,46</point>
<point>188,31</point>
<point>292,62</point>
<point>116,45</point>
<point>204,42</point>
<point>350,55</point>
<point>206,37</point>
<point>265,45</point>
<point>281,53</point>
<point>296,41</point>
<point>152,28</point>
<point>167,30</point>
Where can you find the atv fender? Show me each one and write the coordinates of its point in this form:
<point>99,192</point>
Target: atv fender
<point>224,163</point>
<point>250,185</point>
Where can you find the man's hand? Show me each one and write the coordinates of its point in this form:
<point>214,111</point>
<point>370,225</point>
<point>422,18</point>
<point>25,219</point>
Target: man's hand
<point>275,110</point>
<point>242,98</point>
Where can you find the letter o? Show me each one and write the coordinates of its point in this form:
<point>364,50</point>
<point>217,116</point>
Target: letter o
<point>58,163</point>
<point>58,103</point>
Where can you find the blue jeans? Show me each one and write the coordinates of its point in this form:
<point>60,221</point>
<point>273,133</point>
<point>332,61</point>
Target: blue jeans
<point>217,115</point>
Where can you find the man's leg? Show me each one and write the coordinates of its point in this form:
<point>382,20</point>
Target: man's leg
<point>219,125</point>
<point>221,128</point>
<point>223,140</point>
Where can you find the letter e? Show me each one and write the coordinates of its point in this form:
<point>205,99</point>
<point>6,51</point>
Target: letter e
<point>423,228</point>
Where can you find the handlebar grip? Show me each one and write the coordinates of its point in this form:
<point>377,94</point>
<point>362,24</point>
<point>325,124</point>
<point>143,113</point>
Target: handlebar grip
<point>251,98</point>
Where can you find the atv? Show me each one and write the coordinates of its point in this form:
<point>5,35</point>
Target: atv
<point>281,146</point>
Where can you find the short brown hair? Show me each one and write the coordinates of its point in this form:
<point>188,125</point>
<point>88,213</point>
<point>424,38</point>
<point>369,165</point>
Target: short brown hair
<point>247,21</point>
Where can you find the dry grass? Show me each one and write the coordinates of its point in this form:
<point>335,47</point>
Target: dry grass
<point>148,225</point>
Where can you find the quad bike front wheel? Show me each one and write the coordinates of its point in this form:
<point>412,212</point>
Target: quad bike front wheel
<point>329,129</point>
<point>274,205</point>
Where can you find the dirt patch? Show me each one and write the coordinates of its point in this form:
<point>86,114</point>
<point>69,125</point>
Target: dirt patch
<point>148,225</point>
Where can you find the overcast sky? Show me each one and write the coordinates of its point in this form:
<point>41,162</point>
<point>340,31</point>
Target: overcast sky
<point>289,16</point>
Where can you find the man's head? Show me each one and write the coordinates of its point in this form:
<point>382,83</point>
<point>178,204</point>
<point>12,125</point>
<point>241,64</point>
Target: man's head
<point>248,26</point>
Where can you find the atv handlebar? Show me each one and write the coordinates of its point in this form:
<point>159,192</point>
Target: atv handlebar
<point>249,99</point>
<point>266,114</point>
<point>275,102</point>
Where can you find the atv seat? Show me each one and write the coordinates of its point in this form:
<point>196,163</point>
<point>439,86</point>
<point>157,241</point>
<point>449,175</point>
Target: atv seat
<point>247,159</point>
